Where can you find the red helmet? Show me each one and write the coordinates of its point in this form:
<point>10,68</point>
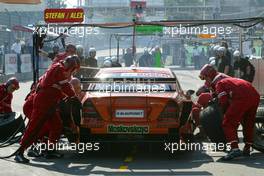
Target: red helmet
<point>13,81</point>
<point>73,62</point>
<point>208,71</point>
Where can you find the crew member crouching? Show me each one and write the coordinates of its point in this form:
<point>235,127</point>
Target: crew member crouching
<point>6,94</point>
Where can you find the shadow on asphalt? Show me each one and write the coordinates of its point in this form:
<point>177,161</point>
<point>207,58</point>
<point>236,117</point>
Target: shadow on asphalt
<point>146,161</point>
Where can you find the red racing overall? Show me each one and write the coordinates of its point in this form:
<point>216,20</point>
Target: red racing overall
<point>202,102</point>
<point>5,99</point>
<point>52,87</point>
<point>240,100</point>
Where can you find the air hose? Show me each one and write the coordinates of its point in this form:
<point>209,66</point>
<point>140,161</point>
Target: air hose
<point>32,135</point>
<point>6,143</point>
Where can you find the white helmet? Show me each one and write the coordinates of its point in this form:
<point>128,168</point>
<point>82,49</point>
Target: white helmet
<point>107,63</point>
<point>79,49</point>
<point>221,50</point>
<point>236,53</point>
<point>92,50</point>
<point>211,59</point>
<point>216,47</point>
<point>212,62</point>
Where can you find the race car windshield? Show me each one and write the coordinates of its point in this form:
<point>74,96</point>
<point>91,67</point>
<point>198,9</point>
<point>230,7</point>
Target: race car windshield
<point>131,87</point>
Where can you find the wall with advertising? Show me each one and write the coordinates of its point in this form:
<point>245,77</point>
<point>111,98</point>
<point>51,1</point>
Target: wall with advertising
<point>11,63</point>
<point>26,65</point>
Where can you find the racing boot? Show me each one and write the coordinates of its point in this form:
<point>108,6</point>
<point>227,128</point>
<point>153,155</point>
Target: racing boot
<point>19,158</point>
<point>234,153</point>
<point>246,150</point>
<point>33,152</point>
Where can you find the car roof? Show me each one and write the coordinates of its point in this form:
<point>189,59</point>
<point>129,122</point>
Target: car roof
<point>151,72</point>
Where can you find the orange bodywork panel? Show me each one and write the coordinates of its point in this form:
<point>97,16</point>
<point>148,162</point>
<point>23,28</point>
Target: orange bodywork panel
<point>147,109</point>
<point>134,112</point>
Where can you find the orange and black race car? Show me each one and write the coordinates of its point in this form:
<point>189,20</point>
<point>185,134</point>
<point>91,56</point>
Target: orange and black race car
<point>135,102</point>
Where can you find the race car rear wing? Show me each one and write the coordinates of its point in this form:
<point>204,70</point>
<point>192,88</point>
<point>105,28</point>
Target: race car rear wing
<point>128,80</point>
<point>88,82</point>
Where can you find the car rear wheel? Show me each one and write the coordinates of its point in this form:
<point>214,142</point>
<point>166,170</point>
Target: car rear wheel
<point>211,120</point>
<point>85,135</point>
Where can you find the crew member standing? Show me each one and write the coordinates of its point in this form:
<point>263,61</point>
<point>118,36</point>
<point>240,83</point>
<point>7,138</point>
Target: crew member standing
<point>224,62</point>
<point>53,86</point>
<point>16,48</point>
<point>239,101</point>
<point>243,68</point>
<point>91,61</point>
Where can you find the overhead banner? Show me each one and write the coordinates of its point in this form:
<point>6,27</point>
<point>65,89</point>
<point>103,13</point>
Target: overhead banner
<point>10,64</point>
<point>26,65</point>
<point>63,15</point>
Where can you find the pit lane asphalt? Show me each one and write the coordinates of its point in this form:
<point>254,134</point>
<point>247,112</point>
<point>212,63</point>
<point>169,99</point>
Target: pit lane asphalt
<point>133,159</point>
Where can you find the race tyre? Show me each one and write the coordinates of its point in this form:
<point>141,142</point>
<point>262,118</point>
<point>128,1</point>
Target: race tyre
<point>211,120</point>
<point>85,135</point>
<point>258,143</point>
<point>10,124</point>
<point>260,112</point>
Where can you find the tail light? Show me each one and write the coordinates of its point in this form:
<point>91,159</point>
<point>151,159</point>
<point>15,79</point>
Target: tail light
<point>89,110</point>
<point>171,111</point>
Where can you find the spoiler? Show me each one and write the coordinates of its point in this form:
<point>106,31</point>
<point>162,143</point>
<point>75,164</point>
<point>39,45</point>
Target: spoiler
<point>128,80</point>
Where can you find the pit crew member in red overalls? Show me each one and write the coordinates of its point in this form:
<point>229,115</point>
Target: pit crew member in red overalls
<point>6,94</point>
<point>53,86</point>
<point>239,101</point>
<point>205,93</point>
<point>202,102</point>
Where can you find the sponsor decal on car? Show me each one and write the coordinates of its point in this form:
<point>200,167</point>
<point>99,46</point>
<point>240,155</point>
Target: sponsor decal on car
<point>129,113</point>
<point>135,129</point>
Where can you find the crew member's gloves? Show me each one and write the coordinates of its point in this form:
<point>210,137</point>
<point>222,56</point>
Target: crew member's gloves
<point>213,101</point>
